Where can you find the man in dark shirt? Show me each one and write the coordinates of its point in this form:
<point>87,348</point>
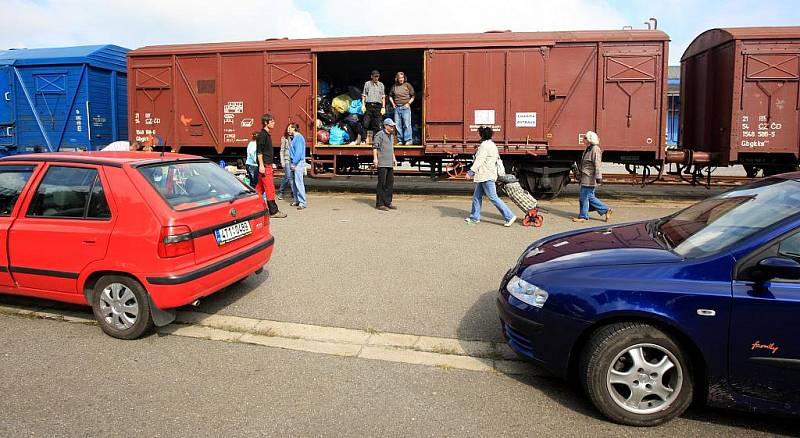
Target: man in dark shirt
<point>264,155</point>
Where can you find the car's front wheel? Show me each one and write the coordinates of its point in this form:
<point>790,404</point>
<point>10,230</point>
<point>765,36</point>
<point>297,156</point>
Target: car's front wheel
<point>636,374</point>
<point>121,307</point>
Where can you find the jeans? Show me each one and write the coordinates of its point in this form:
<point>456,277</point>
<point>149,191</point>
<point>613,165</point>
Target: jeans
<point>385,187</point>
<point>287,177</point>
<point>266,187</point>
<point>488,188</point>
<point>298,186</point>
<point>587,199</point>
<point>402,117</point>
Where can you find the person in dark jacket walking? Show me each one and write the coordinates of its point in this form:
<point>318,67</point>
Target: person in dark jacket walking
<point>591,177</point>
<point>384,161</point>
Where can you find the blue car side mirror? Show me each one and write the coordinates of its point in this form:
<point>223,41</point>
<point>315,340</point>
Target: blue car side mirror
<point>779,267</point>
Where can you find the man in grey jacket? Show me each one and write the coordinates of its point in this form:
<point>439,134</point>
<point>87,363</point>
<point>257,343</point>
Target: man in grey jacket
<point>591,177</point>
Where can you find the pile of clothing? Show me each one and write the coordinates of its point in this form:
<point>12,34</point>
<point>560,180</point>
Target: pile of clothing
<point>339,115</point>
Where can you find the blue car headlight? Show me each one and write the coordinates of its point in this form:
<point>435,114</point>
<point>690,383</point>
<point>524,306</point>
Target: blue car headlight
<point>526,292</point>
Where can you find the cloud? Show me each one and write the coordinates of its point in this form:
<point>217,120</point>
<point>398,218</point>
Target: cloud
<point>136,23</point>
<point>383,17</point>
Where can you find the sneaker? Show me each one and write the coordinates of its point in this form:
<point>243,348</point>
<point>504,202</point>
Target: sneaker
<point>383,208</point>
<point>278,215</point>
<point>294,204</point>
<point>608,215</point>
<point>472,221</point>
<point>279,196</point>
<point>510,221</point>
<point>579,219</point>
<point>302,207</point>
<point>392,207</point>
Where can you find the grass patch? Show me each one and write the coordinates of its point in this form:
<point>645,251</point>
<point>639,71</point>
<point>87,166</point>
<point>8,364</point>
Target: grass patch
<point>372,330</point>
<point>441,349</point>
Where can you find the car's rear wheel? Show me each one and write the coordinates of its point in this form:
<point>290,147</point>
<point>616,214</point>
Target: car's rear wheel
<point>121,307</point>
<point>636,374</point>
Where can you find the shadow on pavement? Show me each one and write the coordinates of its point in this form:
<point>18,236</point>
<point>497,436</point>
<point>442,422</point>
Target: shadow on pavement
<point>217,302</point>
<point>211,304</point>
<point>462,213</point>
<point>481,322</point>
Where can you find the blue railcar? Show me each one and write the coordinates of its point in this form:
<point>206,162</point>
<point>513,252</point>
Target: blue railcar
<point>62,99</point>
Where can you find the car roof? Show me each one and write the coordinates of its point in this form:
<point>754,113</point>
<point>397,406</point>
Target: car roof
<point>105,158</point>
<point>791,175</point>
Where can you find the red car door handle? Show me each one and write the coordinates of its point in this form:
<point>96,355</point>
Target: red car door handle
<point>89,241</point>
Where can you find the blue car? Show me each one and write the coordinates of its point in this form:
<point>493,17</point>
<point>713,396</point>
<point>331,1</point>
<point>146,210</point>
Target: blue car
<point>649,316</point>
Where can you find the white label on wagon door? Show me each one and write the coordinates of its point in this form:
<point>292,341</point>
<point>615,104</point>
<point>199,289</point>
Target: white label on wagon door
<point>484,117</point>
<point>526,120</point>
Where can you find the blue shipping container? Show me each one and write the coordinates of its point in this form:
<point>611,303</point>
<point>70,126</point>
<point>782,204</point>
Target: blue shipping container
<point>71,98</point>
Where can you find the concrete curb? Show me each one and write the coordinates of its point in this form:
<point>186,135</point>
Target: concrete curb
<point>446,353</point>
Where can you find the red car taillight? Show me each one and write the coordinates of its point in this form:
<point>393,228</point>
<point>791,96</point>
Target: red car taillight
<point>175,241</point>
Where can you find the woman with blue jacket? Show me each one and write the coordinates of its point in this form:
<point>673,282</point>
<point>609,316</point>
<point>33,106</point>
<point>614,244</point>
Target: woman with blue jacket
<point>297,159</point>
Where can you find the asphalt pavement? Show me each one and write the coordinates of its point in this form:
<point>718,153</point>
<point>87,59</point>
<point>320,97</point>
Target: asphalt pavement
<point>62,379</point>
<point>420,269</point>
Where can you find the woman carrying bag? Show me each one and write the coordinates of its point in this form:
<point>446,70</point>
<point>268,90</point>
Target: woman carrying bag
<point>484,172</point>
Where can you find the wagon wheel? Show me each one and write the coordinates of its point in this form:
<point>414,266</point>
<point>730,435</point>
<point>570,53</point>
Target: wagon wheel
<point>646,172</point>
<point>454,169</point>
<point>538,221</point>
<point>526,222</point>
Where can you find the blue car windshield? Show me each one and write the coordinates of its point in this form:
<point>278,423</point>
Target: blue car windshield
<point>721,221</point>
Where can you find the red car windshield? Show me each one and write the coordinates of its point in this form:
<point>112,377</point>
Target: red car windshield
<point>718,222</point>
<point>186,185</point>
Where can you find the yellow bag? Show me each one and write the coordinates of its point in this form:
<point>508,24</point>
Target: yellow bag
<point>341,103</point>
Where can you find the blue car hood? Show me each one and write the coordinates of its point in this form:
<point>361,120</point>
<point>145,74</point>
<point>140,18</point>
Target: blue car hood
<point>625,244</point>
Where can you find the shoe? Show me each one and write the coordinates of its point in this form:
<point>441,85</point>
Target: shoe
<point>609,213</point>
<point>472,221</point>
<point>383,208</point>
<point>294,204</point>
<point>280,197</point>
<point>278,215</point>
<point>392,207</point>
<point>579,219</point>
<point>510,221</point>
<point>302,207</point>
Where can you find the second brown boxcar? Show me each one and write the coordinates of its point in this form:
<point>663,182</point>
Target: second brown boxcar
<point>539,91</point>
<point>740,98</point>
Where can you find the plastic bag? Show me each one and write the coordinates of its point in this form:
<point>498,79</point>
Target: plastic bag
<point>341,103</point>
<point>354,92</point>
<point>338,136</point>
<point>355,107</point>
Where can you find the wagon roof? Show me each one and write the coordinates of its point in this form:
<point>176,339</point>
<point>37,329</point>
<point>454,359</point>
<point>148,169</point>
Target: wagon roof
<point>716,37</point>
<point>431,41</point>
<point>107,56</point>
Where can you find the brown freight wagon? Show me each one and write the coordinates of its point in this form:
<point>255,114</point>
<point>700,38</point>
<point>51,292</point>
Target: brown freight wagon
<point>740,98</point>
<point>539,91</point>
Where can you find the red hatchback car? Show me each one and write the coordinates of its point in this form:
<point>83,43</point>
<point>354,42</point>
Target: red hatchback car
<point>134,235</point>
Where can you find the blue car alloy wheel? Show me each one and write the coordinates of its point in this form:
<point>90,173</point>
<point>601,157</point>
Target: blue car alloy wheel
<point>636,374</point>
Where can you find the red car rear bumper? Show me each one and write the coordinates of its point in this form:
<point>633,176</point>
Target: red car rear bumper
<point>170,290</point>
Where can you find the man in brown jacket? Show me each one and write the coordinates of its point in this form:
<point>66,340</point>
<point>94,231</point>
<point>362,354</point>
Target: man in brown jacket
<point>591,177</point>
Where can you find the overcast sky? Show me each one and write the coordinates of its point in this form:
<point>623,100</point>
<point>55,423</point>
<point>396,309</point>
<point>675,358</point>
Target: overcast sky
<point>132,24</point>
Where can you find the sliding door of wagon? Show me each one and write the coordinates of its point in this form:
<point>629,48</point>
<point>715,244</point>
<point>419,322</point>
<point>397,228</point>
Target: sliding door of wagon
<point>631,98</point>
<point>444,96</point>
<point>197,103</point>
<point>570,93</point>
<point>289,91</point>
<point>151,102</point>
<point>242,98</point>
<point>770,100</point>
